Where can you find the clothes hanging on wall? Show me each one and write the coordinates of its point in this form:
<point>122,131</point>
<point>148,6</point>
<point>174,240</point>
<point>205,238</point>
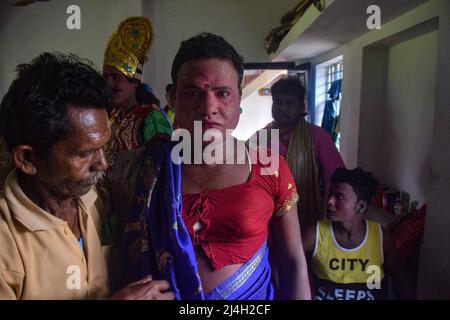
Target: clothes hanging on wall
<point>330,114</point>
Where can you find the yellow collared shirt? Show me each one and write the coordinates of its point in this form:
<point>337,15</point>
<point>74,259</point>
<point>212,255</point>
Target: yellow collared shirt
<point>40,258</point>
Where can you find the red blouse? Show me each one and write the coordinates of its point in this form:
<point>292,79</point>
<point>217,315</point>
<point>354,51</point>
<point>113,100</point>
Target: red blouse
<point>231,224</point>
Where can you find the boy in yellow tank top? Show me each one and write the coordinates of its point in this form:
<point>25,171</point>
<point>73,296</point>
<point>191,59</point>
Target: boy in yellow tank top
<point>350,255</point>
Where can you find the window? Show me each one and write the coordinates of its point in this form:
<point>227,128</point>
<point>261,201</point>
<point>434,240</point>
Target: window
<point>334,72</point>
<point>327,107</point>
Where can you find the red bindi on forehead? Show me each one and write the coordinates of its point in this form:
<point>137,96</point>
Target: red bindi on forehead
<point>207,81</point>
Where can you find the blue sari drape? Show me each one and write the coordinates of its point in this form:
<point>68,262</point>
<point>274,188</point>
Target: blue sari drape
<point>251,282</point>
<point>155,236</point>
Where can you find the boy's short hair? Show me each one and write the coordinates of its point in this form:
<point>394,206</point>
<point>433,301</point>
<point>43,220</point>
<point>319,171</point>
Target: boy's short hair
<point>362,182</point>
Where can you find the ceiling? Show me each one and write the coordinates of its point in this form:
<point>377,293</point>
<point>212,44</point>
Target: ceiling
<point>341,22</point>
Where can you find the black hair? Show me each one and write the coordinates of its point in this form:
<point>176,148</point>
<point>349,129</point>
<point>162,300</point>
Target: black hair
<point>169,88</point>
<point>145,95</point>
<point>362,182</point>
<point>289,85</point>
<point>207,46</point>
<point>34,110</point>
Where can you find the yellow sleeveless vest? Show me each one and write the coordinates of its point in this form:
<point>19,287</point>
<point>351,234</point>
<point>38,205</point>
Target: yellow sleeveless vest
<point>348,274</point>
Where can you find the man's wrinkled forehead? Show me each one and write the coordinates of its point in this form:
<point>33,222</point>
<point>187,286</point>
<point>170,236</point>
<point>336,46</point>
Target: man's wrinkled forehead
<point>84,121</point>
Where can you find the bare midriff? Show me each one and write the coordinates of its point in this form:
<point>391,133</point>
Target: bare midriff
<point>212,278</point>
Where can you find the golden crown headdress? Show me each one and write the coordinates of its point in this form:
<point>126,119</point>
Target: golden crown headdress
<point>128,46</point>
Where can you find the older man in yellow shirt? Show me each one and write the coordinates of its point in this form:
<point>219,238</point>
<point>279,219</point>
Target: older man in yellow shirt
<point>55,123</point>
<point>41,257</point>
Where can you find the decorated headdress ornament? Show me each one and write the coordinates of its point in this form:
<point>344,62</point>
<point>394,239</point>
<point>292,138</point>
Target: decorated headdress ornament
<point>128,46</point>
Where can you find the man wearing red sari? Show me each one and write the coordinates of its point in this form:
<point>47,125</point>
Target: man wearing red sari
<point>227,208</point>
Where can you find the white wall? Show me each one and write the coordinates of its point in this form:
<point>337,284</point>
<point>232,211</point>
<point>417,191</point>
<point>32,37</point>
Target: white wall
<point>373,109</point>
<point>243,23</point>
<point>28,31</point>
<point>256,114</point>
<point>407,126</point>
<point>256,109</point>
<point>434,280</point>
<point>397,110</point>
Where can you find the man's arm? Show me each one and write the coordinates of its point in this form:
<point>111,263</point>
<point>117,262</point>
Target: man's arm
<point>292,268</point>
<point>327,155</point>
<point>309,240</point>
<point>12,273</point>
<point>11,283</point>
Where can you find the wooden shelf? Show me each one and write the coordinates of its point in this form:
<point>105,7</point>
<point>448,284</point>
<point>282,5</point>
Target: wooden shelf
<point>298,29</point>
<point>316,33</point>
<point>310,15</point>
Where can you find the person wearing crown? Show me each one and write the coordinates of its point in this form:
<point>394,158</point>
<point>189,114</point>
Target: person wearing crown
<point>136,118</point>
<point>136,123</point>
